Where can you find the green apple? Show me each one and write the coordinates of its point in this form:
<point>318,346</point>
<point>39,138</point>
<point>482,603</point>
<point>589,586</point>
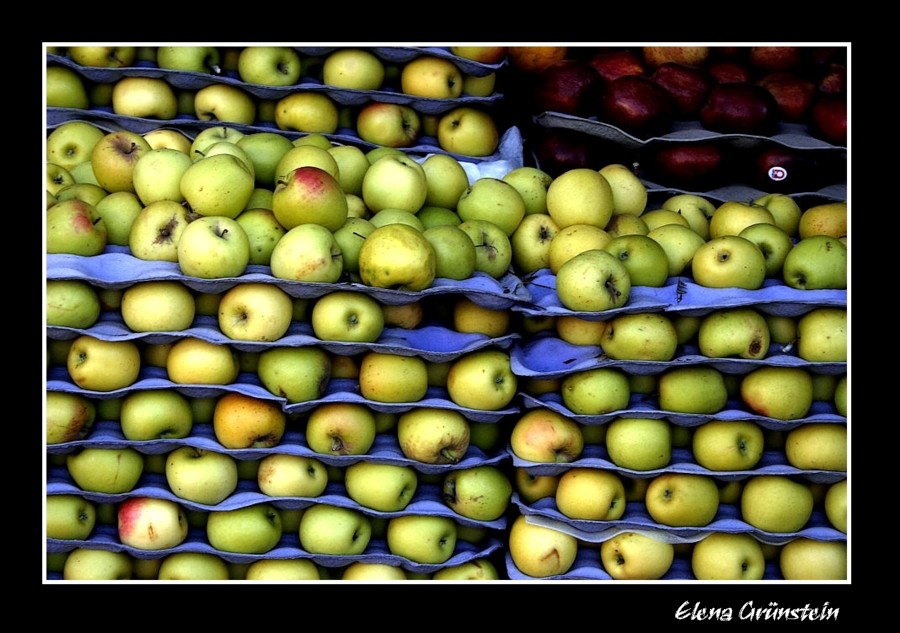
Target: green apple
<point>482,379</point>
<point>270,65</point>
<point>310,112</point>
<point>157,229</point>
<point>574,239</point>
<point>532,184</point>
<point>71,303</point>
<point>92,565</point>
<point>196,361</point>
<point>151,523</point>
<point>360,571</point>
<point>595,391</point>
<point>468,131</point>
<point>732,216</point>
<point>69,516</point>
<point>593,281</point>
<point>784,209</point>
<point>816,262</point>
<point>531,242</point>
<point>397,256</point>
<point>213,247</point>
<point>59,177</point>
<point>539,551</point>
<point>263,231</point>
<point>352,166</point>
<point>481,493</point>
<point>85,191</point>
<point>682,499</point>
<point>431,216</point>
<point>227,103</point>
<point>680,243</point>
<point>774,243</point>
<point>817,446</point>
<point>119,210</point>
<point>299,374</point>
<point>103,365</point>
<point>494,200</point>
<point>350,238</point>
<point>433,436</point>
<point>806,559</point>
<point>728,556</point>
<point>729,261</point>
<point>694,208</point>
<point>396,216</point>
<point>656,218</point>
<point>645,259</point>
<point>395,181</point>
<point>158,306</point>
<point>232,149</point>
<point>580,196</point>
<point>353,69</point>
<point>590,494</point>
<point>431,77</point>
<point>306,155</point>
<point>201,475</point>
<point>145,98</point>
<point>381,486</point>
<point>218,185</point>
<point>531,487</point>
<point>782,393</point>
<point>629,192</point>
<point>255,311</point>
<point>253,529</point>
<point>822,335</point>
<point>341,428</point>
<point>68,416</point>
<point>694,389</point>
<point>546,436</point>
<point>334,530</point>
<point>640,336</point>
<point>307,252</point>
<point>836,505</point>
<point>347,316</point>
<point>422,538</point>
<point>114,156</point>
<point>282,569</point>
<point>154,414</point>
<point>198,59</point>
<point>72,143</point>
<point>103,56</point>
<point>64,88</point>
<point>454,251</point>
<point>169,138</point>
<point>776,503</point>
<point>446,180</point>
<point>840,395</point>
<point>493,248</point>
<point>481,569</point>
<point>639,443</point>
<point>393,125</point>
<point>208,137</point>
<point>636,556</point>
<point>471,317</point>
<point>265,150</point>
<point>728,445</point>
<point>782,329</point>
<point>193,566</point>
<point>734,333</point>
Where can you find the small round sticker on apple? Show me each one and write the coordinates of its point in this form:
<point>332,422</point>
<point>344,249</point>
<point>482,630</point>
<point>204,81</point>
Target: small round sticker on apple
<point>778,173</point>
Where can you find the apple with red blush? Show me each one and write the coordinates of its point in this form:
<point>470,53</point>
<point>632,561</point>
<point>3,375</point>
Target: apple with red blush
<point>614,63</point>
<point>687,84</point>
<point>740,108</point>
<point>794,94</point>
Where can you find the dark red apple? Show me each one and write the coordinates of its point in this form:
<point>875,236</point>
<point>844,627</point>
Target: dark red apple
<point>689,86</point>
<point>557,150</point>
<point>794,94</point>
<point>729,72</point>
<point>782,169</point>
<point>740,108</point>
<point>612,64</point>
<point>828,119</point>
<point>563,86</point>
<point>833,80</point>
<point>769,58</point>
<point>688,166</point>
<point>637,105</point>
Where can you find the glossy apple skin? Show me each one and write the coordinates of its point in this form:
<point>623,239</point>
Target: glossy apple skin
<point>740,108</point>
<point>565,87</point>
<point>689,86</point>
<point>612,64</point>
<point>637,105</point>
<point>828,119</point>
<point>689,165</point>
<point>794,94</point>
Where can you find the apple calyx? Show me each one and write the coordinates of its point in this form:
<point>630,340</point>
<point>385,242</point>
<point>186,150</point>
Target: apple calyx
<point>338,446</point>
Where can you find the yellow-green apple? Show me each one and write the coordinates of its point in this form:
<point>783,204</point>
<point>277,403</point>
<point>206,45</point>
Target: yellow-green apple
<point>645,259</point>
<point>595,391</point>
<point>353,69</point>
<point>169,138</point>
<point>783,393</point>
<point>309,194</point>
<point>269,65</point>
<point>208,137</point>
<point>470,317</point>
<point>107,470</point>
<point>286,475</point>
<point>431,216</point>
<point>103,56</point>
<point>196,361</point>
<point>93,565</point>
<point>728,445</point>
<point>217,185</point>
<point>153,414</point>
<point>381,486</point>
<point>265,150</point>
<point>531,241</point>
<point>227,103</point>
<point>639,443</point>
<point>468,131</point>
<point>213,247</point>
<point>431,77</point>
<point>807,559</point>
<point>310,112</point>
<point>593,281</point>
<point>145,98</point>
<point>816,262</point>
<point>493,248</point>
<point>350,238</point>
<point>531,487</point>
<point>193,566</point>
<point>539,551</point>
<point>298,374</point>
<point>157,175</point>
<point>59,177</point>
<point>334,530</point>
<point>695,389</point>
<point>481,493</point>
<point>71,303</point>
<point>572,240</point>
<point>281,569</point>
<point>158,306</point>
<point>840,395</point>
<point>828,218</point>
<point>682,499</point>
<point>480,569</point>
<point>640,336</point>
<point>396,216</point>
<point>532,184</point>
<point>198,59</point>
<point>307,252</point>
<point>680,243</point>
<point>656,56</point>
<point>482,379</point>
<point>341,428</point>
<point>732,216</point>
<point>446,180</point>
<point>85,191</point>
<point>201,475</point>
<point>636,556</point>
<point>776,503</point>
<point>591,494</point>
<point>433,436</point>
<point>454,251</point>
<point>387,124</point>
<point>580,196</point>
<point>734,333</point>
<point>817,446</point>
<point>835,503</point>
<point>253,529</point>
<point>72,143</point>
<point>361,571</point>
<point>255,311</point>
<point>64,88</point>
<point>233,149</point>
<point>729,261</point>
<point>103,365</point>
<point>114,156</point>
<point>481,53</point>
<point>694,208</point>
<point>422,538</point>
<point>661,217</point>
<point>728,556</point>
<point>397,256</point>
<point>822,335</point>
<point>68,416</point>
<point>546,436</point>
<point>494,200</point>
<point>389,377</point>
<point>151,523</point>
<point>629,191</point>
<point>263,231</point>
<point>242,421</point>
<point>316,139</point>
<point>578,331</point>
<point>157,229</point>
<point>774,243</point>
<point>347,316</point>
<point>395,181</point>
<point>784,209</point>
<point>69,516</point>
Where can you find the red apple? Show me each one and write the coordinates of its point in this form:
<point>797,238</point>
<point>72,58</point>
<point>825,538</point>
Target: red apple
<point>769,58</point>
<point>564,86</point>
<point>833,79</point>
<point>558,150</point>
<point>612,64</point>
<point>828,119</point>
<point>689,86</point>
<point>686,166</point>
<point>740,108</point>
<point>780,169</point>
<point>793,93</point>
<point>658,55</point>
<point>637,105</point>
<point>729,72</point>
